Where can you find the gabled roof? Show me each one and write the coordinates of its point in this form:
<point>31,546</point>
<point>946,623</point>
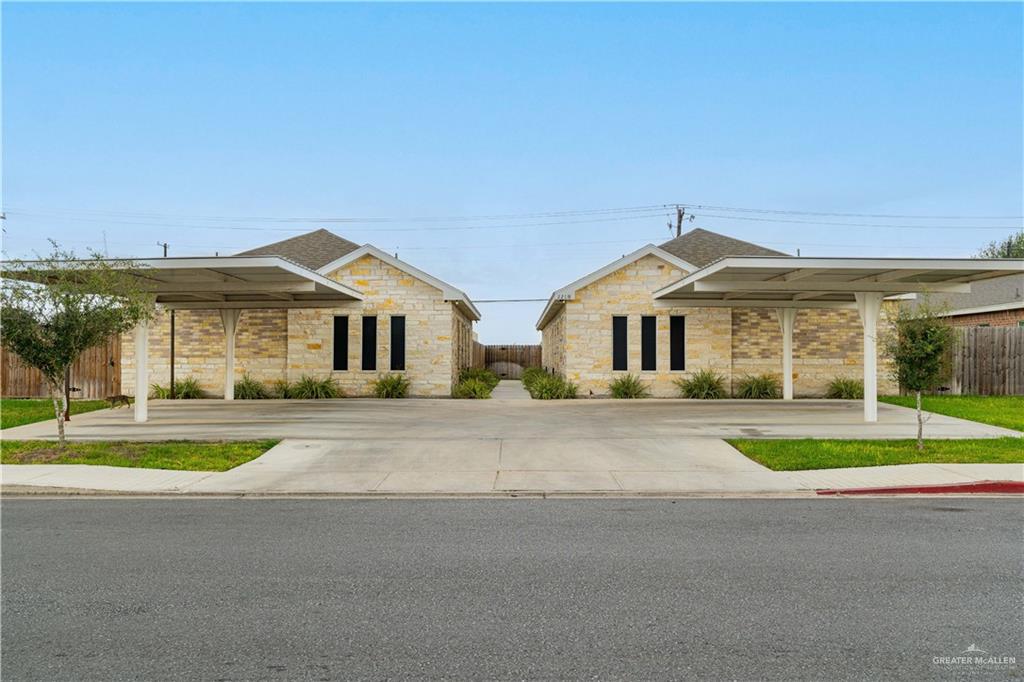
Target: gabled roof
<point>311,250</point>
<point>568,292</point>
<point>450,293</point>
<point>324,252</point>
<point>702,247</point>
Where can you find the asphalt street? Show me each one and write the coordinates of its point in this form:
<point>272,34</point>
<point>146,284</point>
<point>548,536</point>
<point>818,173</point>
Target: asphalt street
<point>241,589</point>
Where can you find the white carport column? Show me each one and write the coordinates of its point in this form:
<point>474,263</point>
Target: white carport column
<point>869,305</point>
<point>786,318</point>
<point>230,320</point>
<point>141,372</point>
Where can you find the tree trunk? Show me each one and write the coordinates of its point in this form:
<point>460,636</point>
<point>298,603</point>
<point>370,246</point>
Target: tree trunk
<point>58,394</point>
<point>920,423</point>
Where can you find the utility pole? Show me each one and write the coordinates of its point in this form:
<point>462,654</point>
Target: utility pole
<point>165,245</point>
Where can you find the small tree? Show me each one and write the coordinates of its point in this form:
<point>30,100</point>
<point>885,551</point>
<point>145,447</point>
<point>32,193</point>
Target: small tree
<point>919,351</point>
<point>57,307</point>
<point>1011,247</point>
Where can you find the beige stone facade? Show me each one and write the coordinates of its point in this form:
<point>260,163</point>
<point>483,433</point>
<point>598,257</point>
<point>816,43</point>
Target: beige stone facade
<point>577,340</point>
<point>287,344</point>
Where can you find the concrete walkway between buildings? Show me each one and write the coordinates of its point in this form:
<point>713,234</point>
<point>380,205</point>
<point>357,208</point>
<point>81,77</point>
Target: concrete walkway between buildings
<point>502,446</point>
<point>510,389</point>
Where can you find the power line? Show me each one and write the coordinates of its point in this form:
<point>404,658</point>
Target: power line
<point>885,225</point>
<point>646,208</point>
<point>850,215</point>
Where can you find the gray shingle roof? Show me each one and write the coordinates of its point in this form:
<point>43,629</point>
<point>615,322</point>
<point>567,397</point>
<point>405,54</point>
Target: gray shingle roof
<point>703,247</point>
<point>987,292</point>
<point>311,250</point>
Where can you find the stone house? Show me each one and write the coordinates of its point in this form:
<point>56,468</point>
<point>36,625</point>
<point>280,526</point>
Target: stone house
<point>409,322</point>
<point>607,324</point>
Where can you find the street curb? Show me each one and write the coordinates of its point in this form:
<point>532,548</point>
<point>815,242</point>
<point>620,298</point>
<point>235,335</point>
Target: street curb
<point>972,488</point>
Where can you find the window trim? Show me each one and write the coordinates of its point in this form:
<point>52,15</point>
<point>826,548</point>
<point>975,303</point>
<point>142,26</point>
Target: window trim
<point>649,332</point>
<point>397,343</point>
<point>342,346</point>
<point>625,343</point>
<point>368,321</point>
<point>673,320</point>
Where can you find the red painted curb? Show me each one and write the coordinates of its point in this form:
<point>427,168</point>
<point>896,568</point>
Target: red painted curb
<point>1002,487</point>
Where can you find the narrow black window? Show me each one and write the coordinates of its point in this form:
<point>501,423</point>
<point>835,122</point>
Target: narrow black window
<point>618,343</point>
<point>398,342</point>
<point>369,342</point>
<point>341,342</point>
<point>648,343</point>
<point>677,342</point>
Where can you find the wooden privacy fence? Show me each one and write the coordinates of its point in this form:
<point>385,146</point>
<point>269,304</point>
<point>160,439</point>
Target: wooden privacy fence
<point>508,362</point>
<point>97,372</point>
<point>988,361</point>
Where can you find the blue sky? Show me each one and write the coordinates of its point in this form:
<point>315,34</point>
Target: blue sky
<point>147,122</point>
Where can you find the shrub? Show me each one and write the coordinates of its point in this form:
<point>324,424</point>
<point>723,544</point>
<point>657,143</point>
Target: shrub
<point>187,389</point>
<point>250,389</point>
<point>480,374</point>
<point>552,387</point>
<point>391,386</point>
<point>530,375</point>
<point>475,389</point>
<point>158,392</point>
<point>281,389</point>
<point>758,387</point>
<point>703,384</point>
<point>845,388</point>
<point>628,386</point>
<point>312,388</point>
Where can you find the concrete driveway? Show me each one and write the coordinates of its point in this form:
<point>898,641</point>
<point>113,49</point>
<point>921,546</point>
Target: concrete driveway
<point>448,420</point>
<point>493,446</point>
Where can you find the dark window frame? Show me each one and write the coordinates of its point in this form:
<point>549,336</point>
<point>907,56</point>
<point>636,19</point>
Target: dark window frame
<point>677,343</point>
<point>340,349</point>
<point>398,343</point>
<point>368,360</point>
<point>648,343</point>
<point>620,343</point>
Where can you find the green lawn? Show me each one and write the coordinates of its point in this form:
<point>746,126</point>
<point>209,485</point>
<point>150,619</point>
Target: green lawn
<point>182,454</point>
<point>18,411</point>
<point>999,410</point>
<point>809,453</point>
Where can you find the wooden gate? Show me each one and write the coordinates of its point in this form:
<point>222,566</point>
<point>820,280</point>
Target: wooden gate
<point>97,372</point>
<point>508,362</point>
<point>988,361</point>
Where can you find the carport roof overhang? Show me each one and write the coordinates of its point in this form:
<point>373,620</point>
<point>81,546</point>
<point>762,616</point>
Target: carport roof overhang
<point>229,282</point>
<point>794,282</point>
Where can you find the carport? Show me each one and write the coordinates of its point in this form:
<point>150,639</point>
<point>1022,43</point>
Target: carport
<point>788,284</point>
<point>228,284</point>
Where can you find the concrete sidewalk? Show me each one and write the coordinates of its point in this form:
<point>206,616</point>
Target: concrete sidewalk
<point>490,467</point>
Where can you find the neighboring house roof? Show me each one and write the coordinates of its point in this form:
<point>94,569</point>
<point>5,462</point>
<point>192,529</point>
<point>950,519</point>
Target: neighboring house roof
<point>568,292</point>
<point>311,250</point>
<point>325,252</point>
<point>991,295</point>
<point>703,247</point>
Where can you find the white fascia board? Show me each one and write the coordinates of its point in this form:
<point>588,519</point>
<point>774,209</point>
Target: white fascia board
<point>449,292</point>
<point>216,264</point>
<point>1007,265</point>
<point>568,292</point>
<point>994,308</point>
